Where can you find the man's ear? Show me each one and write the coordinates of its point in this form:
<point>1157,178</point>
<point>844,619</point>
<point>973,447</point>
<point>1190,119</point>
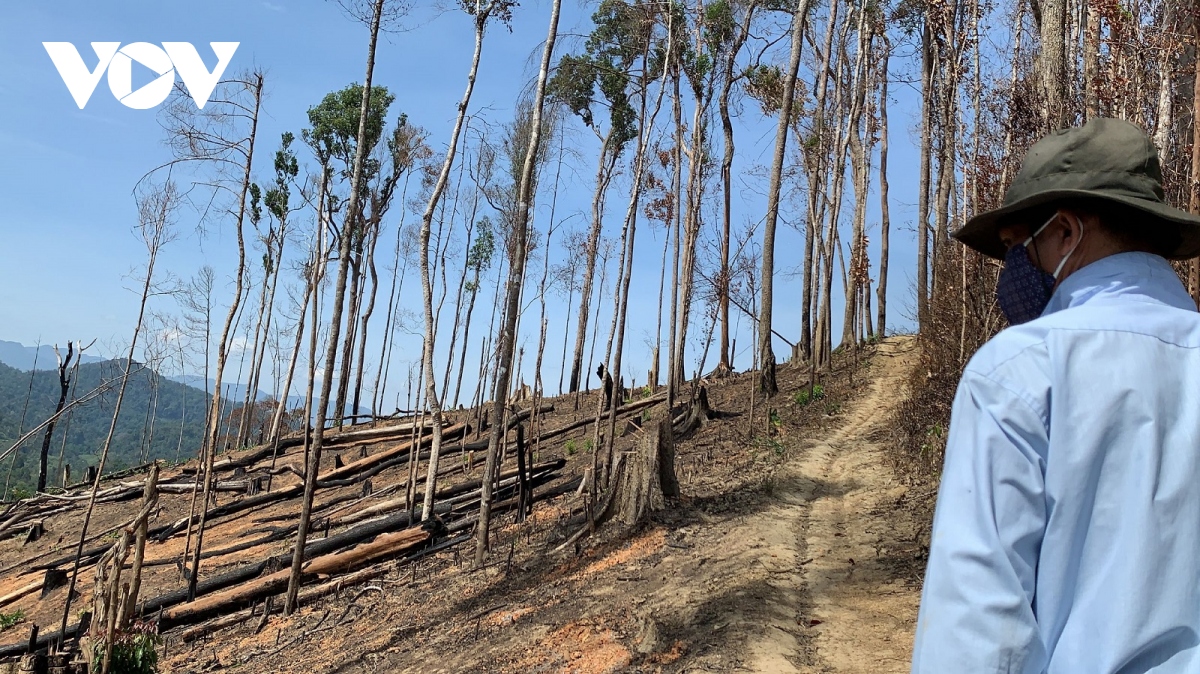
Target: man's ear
<point>1074,227</point>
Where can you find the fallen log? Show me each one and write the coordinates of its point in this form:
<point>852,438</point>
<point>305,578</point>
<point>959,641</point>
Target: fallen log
<point>505,505</point>
<point>506,480</point>
<point>555,432</point>
<point>350,471</point>
<point>355,467</point>
<point>40,642</point>
<point>21,592</point>
<point>384,546</point>
<point>187,487</point>
<point>316,592</point>
<point>513,422</point>
<point>256,454</point>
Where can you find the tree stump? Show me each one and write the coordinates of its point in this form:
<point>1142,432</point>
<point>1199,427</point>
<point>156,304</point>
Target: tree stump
<point>36,530</point>
<point>53,580</point>
<point>637,484</point>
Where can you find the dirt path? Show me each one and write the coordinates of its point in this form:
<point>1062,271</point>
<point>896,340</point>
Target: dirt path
<point>811,589</point>
<point>788,555</point>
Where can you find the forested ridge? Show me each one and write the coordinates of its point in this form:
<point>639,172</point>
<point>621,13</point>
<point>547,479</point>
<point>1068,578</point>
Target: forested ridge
<point>160,419</point>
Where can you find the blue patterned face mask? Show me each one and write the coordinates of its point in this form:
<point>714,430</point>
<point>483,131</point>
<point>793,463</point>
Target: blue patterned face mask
<point>1023,288</point>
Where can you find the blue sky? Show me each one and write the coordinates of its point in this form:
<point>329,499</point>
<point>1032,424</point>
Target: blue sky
<point>66,175</point>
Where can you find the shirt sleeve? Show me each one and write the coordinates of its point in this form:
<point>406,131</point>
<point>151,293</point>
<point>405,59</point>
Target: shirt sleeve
<point>977,605</point>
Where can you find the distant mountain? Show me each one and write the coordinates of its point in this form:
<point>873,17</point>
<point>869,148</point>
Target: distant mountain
<point>232,392</point>
<point>160,419</point>
<point>22,357</point>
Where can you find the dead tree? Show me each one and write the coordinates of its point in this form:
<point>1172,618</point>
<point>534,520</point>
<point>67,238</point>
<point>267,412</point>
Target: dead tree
<point>517,251</point>
<point>156,210</point>
<point>335,324</point>
<point>64,386</point>
<point>767,354</point>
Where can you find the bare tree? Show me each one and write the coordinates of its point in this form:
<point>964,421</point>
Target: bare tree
<point>335,322</point>
<point>517,254</point>
<point>156,212</point>
<point>767,357</point>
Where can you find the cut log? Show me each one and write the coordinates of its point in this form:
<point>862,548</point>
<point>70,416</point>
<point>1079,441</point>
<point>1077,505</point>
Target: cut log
<point>385,546</point>
<point>356,467</point>
<point>20,592</point>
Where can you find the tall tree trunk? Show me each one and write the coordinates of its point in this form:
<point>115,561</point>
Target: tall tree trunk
<point>316,262</point>
<point>1052,67</point>
<point>64,386</point>
<point>214,423</point>
<point>724,365</point>
<point>885,220</point>
<point>623,280</point>
<point>366,318</point>
<point>335,324</point>
<point>767,378</point>
<point>518,250</point>
<point>1091,61</point>
<point>431,394</point>
<point>816,157</point>
<point>926,171</point>
<point>155,234</point>
<point>243,430</point>
<point>604,173</point>
<point>353,223</point>
<point>399,271</point>
<point>462,282</point>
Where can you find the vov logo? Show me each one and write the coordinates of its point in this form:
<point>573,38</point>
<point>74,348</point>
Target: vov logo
<point>172,57</point>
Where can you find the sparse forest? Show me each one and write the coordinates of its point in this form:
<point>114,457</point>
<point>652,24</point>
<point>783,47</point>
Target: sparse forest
<point>604,249</point>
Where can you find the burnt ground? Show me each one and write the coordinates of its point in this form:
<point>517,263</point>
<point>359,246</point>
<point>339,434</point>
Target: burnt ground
<point>794,548</point>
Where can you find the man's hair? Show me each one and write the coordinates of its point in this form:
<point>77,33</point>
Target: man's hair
<point>1133,228</point>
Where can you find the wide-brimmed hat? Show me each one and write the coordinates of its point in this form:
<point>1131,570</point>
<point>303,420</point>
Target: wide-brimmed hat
<point>1104,159</point>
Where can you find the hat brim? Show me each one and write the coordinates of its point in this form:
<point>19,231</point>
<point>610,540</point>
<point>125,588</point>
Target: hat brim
<point>982,232</point>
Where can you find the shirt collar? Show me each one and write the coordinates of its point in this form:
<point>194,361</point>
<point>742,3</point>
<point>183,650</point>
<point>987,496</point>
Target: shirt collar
<point>1136,276</point>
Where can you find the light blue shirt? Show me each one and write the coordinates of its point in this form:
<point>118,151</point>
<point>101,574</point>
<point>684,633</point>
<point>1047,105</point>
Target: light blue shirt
<point>1067,530</point>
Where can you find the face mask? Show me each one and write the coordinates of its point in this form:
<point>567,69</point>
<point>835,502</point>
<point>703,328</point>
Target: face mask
<point>1023,289</point>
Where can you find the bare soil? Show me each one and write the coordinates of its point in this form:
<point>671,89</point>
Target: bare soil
<point>796,548</point>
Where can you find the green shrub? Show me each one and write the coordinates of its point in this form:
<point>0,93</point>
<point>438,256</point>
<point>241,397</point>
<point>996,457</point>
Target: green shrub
<point>571,448</point>
<point>801,398</point>
<point>7,620</point>
<point>134,651</point>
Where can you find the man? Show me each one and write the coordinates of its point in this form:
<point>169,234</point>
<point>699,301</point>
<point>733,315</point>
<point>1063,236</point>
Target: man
<point>1067,531</point>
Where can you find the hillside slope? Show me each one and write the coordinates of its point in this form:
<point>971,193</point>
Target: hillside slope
<point>785,554</point>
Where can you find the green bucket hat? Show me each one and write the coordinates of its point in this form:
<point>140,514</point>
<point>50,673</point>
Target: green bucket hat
<point>1106,159</point>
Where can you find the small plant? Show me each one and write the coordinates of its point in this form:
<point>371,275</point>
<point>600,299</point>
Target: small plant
<point>571,448</point>
<point>21,493</point>
<point>7,620</point>
<point>645,416</point>
<point>774,419</point>
<point>134,651</point>
<point>769,444</point>
<point>647,391</point>
<point>802,398</point>
<point>587,445</point>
